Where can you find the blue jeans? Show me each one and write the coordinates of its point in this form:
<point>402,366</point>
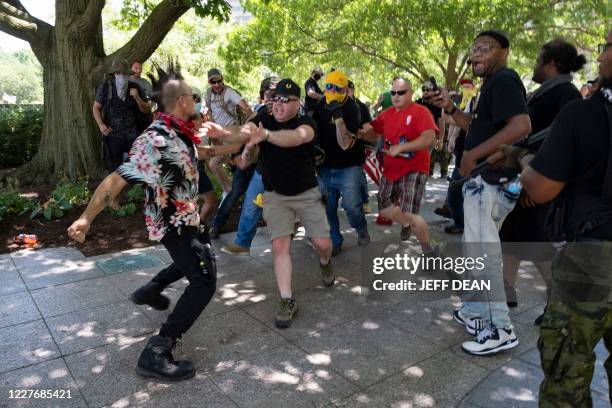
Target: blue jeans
<point>486,206</point>
<point>345,183</point>
<point>454,197</point>
<point>365,198</point>
<point>247,226</point>
<point>240,182</point>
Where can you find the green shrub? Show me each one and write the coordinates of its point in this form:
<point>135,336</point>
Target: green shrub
<point>11,203</point>
<point>124,210</point>
<point>20,131</point>
<point>74,192</point>
<point>136,194</point>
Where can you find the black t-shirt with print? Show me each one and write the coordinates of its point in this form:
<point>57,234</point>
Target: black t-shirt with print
<point>502,97</point>
<point>311,85</point>
<point>365,112</point>
<point>335,157</point>
<point>576,151</point>
<point>287,170</point>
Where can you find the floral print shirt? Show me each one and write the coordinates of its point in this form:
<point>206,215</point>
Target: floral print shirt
<point>164,160</point>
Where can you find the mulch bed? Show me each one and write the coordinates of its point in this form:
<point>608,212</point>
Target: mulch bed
<point>108,233</point>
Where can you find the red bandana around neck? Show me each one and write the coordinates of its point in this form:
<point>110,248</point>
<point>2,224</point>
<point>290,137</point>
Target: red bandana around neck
<point>186,127</point>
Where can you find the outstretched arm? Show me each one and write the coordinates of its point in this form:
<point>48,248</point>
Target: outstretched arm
<point>105,195</point>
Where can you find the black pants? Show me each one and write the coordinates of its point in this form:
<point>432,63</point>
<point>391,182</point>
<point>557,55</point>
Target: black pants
<point>115,145</point>
<point>202,285</point>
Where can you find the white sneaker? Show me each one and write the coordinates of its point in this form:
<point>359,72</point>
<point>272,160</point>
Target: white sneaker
<point>472,324</point>
<point>491,340</point>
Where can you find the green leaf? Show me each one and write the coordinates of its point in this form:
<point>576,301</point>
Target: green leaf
<point>48,213</point>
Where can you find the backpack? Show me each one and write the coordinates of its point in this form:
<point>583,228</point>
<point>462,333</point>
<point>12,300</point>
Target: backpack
<point>238,114</point>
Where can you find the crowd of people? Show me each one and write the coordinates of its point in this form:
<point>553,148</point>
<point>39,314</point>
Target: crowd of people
<point>531,167</point>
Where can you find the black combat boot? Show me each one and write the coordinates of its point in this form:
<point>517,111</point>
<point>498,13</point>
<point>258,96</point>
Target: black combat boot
<point>150,294</point>
<point>156,361</point>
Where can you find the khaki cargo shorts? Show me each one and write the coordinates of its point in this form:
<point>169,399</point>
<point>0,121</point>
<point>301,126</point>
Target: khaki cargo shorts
<point>280,212</point>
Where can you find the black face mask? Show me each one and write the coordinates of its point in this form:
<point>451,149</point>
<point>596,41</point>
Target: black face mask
<point>316,77</point>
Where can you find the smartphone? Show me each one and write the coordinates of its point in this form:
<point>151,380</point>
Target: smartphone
<point>434,84</point>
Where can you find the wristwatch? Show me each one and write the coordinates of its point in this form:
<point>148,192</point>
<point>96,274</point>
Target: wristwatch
<point>452,110</point>
<point>267,136</point>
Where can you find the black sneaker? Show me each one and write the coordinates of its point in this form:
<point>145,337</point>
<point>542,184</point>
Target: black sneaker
<point>328,276</point>
<point>288,310</point>
<point>363,238</point>
<point>156,361</point>
<point>336,251</point>
<point>150,294</point>
<point>453,229</point>
<point>405,234</point>
<point>443,211</point>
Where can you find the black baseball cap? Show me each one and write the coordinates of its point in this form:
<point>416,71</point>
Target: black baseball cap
<point>286,87</point>
<point>498,35</point>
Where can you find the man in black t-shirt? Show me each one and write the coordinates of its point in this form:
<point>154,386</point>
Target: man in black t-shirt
<point>500,117</point>
<point>338,118</point>
<point>574,166</point>
<point>285,142</point>
<point>313,93</point>
<point>525,223</point>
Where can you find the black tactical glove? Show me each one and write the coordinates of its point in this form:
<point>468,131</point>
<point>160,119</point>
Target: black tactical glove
<point>335,109</point>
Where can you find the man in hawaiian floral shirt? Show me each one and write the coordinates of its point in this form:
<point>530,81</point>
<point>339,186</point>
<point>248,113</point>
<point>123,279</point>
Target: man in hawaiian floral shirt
<point>164,159</point>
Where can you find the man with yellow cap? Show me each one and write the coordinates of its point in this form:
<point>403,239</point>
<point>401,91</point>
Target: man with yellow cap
<point>338,118</point>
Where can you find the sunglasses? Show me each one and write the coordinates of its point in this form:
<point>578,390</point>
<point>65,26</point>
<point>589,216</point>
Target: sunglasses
<point>282,99</point>
<point>393,93</point>
<point>426,89</point>
<point>215,81</point>
<point>195,97</point>
<point>332,87</point>
<point>601,48</point>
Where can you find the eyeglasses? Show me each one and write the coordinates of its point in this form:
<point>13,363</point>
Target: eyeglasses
<point>215,81</point>
<point>400,93</point>
<point>195,97</point>
<point>601,48</point>
<point>484,48</point>
<point>332,87</point>
<point>283,99</point>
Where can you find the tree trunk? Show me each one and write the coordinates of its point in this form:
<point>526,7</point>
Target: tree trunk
<point>73,60</point>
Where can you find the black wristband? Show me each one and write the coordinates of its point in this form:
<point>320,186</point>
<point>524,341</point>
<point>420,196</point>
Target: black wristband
<point>452,111</point>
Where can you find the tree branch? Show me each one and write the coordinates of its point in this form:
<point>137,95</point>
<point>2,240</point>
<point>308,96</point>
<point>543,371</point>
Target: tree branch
<point>87,23</point>
<point>151,33</point>
<point>16,21</point>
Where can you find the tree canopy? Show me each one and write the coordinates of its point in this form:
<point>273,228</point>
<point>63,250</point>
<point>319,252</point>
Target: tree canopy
<point>372,39</point>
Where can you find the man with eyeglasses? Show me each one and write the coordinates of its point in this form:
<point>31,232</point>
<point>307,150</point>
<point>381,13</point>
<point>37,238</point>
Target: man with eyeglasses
<point>164,159</point>
<point>313,92</point>
<point>500,117</point>
<point>573,167</point>
<point>224,103</point>
<point>408,129</point>
<point>338,118</point>
<point>438,153</point>
<point>285,141</point>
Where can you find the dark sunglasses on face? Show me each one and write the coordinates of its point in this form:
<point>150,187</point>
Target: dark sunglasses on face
<point>393,93</point>
<point>215,81</point>
<point>282,99</point>
<point>332,87</point>
<point>601,48</point>
<point>195,97</point>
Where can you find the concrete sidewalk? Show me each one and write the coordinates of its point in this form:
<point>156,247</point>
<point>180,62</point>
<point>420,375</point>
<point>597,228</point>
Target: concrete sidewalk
<point>66,324</point>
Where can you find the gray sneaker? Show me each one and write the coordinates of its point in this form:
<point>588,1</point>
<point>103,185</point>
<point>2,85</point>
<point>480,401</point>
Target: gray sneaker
<point>328,276</point>
<point>235,249</point>
<point>363,238</point>
<point>288,310</point>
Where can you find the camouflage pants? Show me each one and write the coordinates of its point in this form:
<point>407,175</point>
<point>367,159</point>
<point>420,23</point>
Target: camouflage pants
<point>442,157</point>
<point>578,316</point>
